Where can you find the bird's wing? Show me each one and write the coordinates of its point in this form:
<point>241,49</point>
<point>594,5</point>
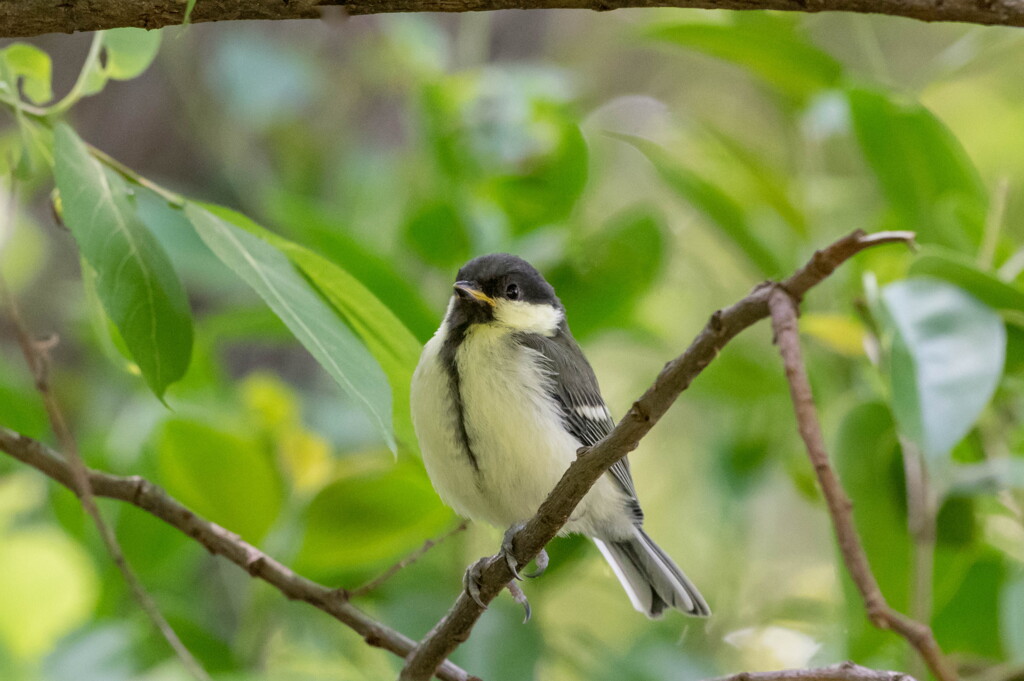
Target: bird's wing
<point>575,390</point>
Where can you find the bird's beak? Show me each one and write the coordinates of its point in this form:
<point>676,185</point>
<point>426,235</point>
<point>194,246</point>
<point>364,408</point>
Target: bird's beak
<point>468,290</point>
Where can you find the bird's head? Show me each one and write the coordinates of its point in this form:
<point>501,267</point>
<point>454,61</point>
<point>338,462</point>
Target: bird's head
<point>504,290</point>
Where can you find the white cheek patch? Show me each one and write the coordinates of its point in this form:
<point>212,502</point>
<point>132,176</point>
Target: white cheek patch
<point>593,412</point>
<point>529,317</point>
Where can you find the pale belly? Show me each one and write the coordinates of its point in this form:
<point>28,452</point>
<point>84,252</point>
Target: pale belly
<point>519,445</point>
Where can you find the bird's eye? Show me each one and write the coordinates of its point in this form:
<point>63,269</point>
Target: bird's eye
<point>512,292</point>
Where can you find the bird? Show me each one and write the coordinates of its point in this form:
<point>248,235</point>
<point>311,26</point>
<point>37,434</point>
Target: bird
<point>501,400</point>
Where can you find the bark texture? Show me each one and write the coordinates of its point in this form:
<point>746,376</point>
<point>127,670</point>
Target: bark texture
<point>22,18</point>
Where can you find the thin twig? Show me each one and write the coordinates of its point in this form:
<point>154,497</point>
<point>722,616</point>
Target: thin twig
<point>37,357</point>
<point>404,563</point>
<point>219,541</point>
<point>922,515</point>
<point>784,323</point>
<point>592,463</point>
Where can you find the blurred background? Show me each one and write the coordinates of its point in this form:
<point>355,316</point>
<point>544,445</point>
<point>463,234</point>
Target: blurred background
<point>655,165</point>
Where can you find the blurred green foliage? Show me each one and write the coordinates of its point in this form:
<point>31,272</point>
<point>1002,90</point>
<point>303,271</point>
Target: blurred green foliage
<point>655,165</point>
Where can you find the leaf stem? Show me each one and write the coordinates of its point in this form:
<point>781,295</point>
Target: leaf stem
<point>78,89</point>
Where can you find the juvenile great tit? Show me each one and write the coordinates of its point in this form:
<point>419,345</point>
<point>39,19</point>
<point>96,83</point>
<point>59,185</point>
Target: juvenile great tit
<point>502,399</point>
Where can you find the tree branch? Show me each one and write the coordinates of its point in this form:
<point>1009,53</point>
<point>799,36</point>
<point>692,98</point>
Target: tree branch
<point>219,541</point>
<point>35,17</point>
<point>919,635</point>
<point>844,671</point>
<point>591,464</point>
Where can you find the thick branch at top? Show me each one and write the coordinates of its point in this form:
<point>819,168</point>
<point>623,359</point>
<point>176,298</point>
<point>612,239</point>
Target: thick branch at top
<point>19,18</point>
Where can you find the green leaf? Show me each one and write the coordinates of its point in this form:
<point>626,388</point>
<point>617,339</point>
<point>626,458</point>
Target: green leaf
<point>769,49</point>
<point>922,169</point>
<point>947,357</point>
<point>771,184</point>
<point>390,342</point>
<point>129,51</point>
<point>611,270</point>
<point>268,271</point>
<point>547,190</point>
<point>870,466</point>
<point>33,66</point>
<point>437,232</point>
<point>135,281</point>
<point>959,269</point>
<point>967,623</point>
<point>321,233</point>
<point>364,521</point>
<point>719,209</point>
<point>228,477</point>
<point>109,338</point>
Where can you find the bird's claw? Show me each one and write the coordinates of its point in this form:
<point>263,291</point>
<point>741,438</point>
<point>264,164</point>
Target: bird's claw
<point>507,551</point>
<point>520,597</point>
<point>542,564</point>
<point>472,579</point>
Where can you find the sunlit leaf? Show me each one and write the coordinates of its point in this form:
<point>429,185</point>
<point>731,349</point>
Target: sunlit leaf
<point>841,333</point>
<point>947,356</point>
<point>922,169</point>
<point>135,280</point>
<point>228,477</point>
<point>33,66</point>
<point>268,271</point>
<point>304,455</point>
<point>48,587</point>
<point>719,209</point>
<point>770,50</point>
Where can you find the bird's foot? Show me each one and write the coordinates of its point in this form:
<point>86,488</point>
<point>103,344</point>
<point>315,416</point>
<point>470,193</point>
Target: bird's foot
<point>473,578</point>
<point>507,551</point>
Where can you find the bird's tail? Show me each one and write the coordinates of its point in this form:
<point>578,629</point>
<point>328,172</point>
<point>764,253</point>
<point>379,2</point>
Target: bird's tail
<point>652,581</point>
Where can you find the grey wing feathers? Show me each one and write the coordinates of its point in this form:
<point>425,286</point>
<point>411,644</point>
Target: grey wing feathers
<point>584,412</point>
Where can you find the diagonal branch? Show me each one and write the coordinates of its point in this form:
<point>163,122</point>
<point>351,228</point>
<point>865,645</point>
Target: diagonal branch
<point>219,541</point>
<point>34,17</point>
<point>919,635</point>
<point>591,464</point>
